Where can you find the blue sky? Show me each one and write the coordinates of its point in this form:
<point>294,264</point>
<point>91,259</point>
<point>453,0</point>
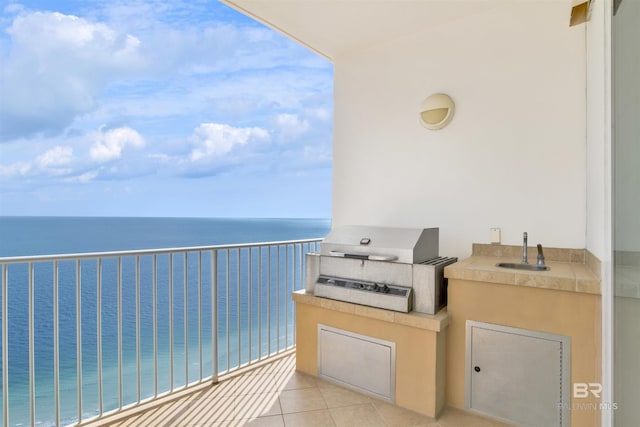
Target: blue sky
<point>159,108</point>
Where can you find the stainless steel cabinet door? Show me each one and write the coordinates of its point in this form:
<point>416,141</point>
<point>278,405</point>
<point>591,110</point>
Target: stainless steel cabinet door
<point>364,363</point>
<point>517,375</point>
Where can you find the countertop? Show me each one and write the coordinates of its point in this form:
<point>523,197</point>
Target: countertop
<point>432,322</point>
<point>563,275</point>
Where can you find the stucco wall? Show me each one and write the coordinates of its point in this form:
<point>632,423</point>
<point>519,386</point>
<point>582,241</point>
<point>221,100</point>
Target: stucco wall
<point>515,154</point>
<point>598,134</point>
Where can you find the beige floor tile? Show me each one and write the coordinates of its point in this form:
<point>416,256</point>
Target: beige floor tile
<point>169,414</point>
<point>258,398</point>
<point>222,389</point>
<point>210,410</point>
<point>297,380</point>
<point>254,384</point>
<point>257,405</point>
<point>306,399</point>
<point>336,396</point>
<point>452,417</point>
<point>129,422</point>
<point>394,416</point>
<point>357,416</point>
<point>286,364</point>
<point>321,418</point>
<point>264,369</point>
<point>228,423</point>
<point>272,421</point>
<point>495,423</point>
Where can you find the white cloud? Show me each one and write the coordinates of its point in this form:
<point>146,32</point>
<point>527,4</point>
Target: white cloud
<point>317,155</point>
<point>53,162</point>
<point>56,157</point>
<point>15,169</point>
<point>13,8</point>
<point>319,113</point>
<point>213,140</point>
<point>56,68</point>
<point>163,69</point>
<point>291,126</point>
<point>85,177</point>
<point>109,145</point>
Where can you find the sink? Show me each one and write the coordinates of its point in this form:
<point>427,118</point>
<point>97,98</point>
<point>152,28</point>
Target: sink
<point>520,266</point>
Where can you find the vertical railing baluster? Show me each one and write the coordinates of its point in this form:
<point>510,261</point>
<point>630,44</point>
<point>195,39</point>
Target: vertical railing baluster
<point>32,376</point>
<point>200,313</point>
<point>295,287</point>
<point>5,345</point>
<point>185,322</point>
<point>99,333</point>
<point>238,302</point>
<point>278,301</point>
<point>171,321</point>
<point>301,264</point>
<point>119,314</point>
<point>214,313</point>
<point>286,296</point>
<point>79,337</point>
<point>228,308</point>
<point>56,346</point>
<point>269,299</point>
<point>249,302</point>
<point>260,303</point>
<point>300,285</point>
<point>138,349</point>
<point>154,321</point>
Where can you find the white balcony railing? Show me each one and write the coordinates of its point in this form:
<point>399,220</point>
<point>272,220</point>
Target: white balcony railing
<point>84,335</point>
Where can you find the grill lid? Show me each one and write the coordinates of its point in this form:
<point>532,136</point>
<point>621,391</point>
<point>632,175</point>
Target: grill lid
<point>405,245</point>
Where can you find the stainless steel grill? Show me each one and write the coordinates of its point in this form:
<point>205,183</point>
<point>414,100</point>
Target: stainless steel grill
<point>391,268</point>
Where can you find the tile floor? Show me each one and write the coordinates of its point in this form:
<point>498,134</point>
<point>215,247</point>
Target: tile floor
<point>276,395</point>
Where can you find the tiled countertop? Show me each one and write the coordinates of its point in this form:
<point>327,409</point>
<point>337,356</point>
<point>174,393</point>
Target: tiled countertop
<point>563,275</point>
<point>432,322</point>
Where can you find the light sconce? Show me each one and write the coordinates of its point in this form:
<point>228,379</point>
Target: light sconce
<point>436,111</point>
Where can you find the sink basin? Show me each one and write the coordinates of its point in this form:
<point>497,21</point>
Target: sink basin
<point>519,266</point>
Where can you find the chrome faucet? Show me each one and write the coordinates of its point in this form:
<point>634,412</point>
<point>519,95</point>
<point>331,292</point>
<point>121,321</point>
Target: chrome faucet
<point>540,255</point>
<point>524,248</point>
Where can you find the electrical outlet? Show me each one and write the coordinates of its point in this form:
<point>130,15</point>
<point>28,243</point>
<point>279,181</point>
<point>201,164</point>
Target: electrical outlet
<point>495,235</point>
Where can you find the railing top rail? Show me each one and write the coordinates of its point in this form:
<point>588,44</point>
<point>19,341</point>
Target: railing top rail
<point>138,252</point>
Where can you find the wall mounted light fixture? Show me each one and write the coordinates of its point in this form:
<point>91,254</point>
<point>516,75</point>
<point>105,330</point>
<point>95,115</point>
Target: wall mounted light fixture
<point>436,111</point>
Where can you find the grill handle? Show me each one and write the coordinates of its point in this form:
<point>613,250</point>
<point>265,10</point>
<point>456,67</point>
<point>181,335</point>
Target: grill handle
<point>364,256</point>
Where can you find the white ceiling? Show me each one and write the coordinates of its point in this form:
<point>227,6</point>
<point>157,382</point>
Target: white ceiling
<point>335,27</point>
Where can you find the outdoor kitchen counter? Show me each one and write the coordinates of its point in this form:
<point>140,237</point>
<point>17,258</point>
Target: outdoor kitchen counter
<point>564,301</point>
<point>571,273</point>
<point>409,348</point>
<point>431,322</point>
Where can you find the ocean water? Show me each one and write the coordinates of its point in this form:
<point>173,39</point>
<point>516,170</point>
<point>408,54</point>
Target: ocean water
<point>258,318</point>
<point>55,235</point>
